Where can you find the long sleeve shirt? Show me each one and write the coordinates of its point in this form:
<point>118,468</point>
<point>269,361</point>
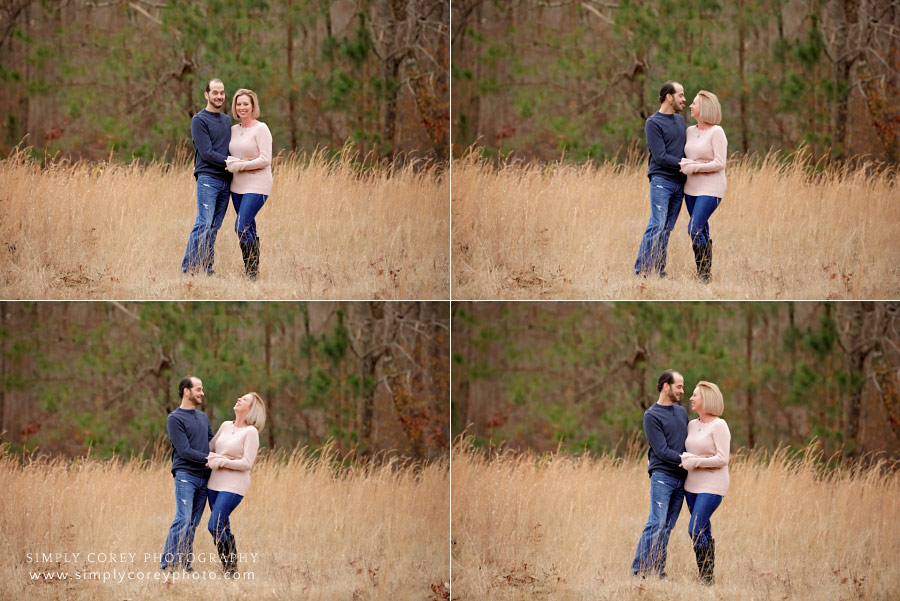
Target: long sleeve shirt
<point>666,429</point>
<point>253,145</point>
<point>211,133</point>
<point>706,178</point>
<point>665,140</point>
<point>189,431</point>
<point>707,446</point>
<point>240,445</point>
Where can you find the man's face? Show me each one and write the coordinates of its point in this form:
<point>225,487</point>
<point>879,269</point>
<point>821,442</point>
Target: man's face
<point>676,388</point>
<point>216,94</point>
<point>195,392</point>
<point>676,100</point>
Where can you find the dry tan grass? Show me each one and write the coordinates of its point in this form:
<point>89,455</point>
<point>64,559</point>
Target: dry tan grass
<point>563,231</point>
<point>109,231</point>
<point>566,528</point>
<point>378,533</point>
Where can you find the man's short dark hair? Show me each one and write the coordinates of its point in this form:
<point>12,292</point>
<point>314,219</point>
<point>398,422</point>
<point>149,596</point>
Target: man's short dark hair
<point>666,377</point>
<point>666,89</point>
<point>186,382</point>
<point>212,80</point>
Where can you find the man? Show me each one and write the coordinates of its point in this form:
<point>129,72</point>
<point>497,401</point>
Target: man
<point>190,433</point>
<point>665,132</point>
<point>211,133</point>
<point>665,425</point>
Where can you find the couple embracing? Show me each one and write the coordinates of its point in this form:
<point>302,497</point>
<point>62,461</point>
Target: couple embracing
<point>688,461</point>
<point>209,468</point>
<point>228,160</point>
<point>684,165</point>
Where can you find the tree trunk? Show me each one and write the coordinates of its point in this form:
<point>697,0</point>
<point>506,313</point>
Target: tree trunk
<point>5,327</point>
<point>369,356</point>
<point>846,57</point>
<point>751,420</point>
<point>857,349</point>
<point>270,397</point>
<point>393,15</point>
<point>390,72</point>
<point>742,98</point>
<point>292,95</point>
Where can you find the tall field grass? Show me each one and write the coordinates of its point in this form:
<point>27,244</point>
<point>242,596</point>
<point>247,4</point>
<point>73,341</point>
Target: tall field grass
<point>109,230</point>
<point>308,532</point>
<point>572,232</point>
<point>556,527</point>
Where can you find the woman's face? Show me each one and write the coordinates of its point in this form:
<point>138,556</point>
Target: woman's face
<point>243,107</point>
<point>696,398</point>
<point>242,406</point>
<point>695,109</point>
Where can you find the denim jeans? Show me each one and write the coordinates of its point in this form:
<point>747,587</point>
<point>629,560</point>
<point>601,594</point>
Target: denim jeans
<point>666,497</point>
<point>700,208</point>
<point>212,203</point>
<point>665,204</point>
<point>190,499</point>
<point>221,504</point>
<point>701,506</point>
<point>247,206</point>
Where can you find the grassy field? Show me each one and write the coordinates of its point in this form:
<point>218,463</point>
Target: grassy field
<point>377,533</point>
<point>572,232</point>
<point>552,527</point>
<point>114,231</point>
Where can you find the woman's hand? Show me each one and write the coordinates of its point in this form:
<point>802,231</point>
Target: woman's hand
<point>689,166</point>
<point>216,462</point>
<point>232,164</point>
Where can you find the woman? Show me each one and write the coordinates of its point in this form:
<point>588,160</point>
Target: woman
<point>232,452</point>
<point>705,149</point>
<point>706,460</point>
<point>250,161</point>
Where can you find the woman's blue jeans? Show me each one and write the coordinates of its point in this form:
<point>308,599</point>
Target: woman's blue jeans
<point>247,206</point>
<point>666,497</point>
<point>700,208</point>
<point>221,504</point>
<point>701,506</point>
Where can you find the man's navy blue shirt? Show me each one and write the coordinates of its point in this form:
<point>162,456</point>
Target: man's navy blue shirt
<point>190,433</point>
<point>211,133</point>
<point>665,139</point>
<point>666,430</point>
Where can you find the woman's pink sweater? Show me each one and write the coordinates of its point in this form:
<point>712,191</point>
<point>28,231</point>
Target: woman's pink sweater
<point>707,446</point>
<point>253,145</point>
<point>705,178</point>
<point>240,445</point>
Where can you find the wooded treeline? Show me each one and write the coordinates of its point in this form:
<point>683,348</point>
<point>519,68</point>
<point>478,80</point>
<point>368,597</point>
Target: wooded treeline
<point>104,376</point>
<point>90,78</point>
<point>580,375</point>
<point>543,77</point>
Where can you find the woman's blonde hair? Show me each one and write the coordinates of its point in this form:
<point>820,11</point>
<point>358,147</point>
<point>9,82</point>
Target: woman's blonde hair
<point>256,416</point>
<point>712,398</point>
<point>254,102</point>
<point>710,109</point>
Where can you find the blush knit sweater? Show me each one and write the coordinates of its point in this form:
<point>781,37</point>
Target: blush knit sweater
<point>253,145</point>
<point>240,445</point>
<point>707,446</point>
<point>706,151</point>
